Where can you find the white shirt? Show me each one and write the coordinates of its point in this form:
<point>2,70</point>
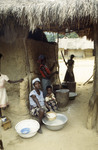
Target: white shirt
<point>39,97</point>
<point>3,94</point>
<point>3,78</point>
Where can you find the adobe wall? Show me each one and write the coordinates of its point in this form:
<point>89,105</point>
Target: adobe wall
<point>14,58</point>
<point>14,64</point>
<point>35,48</point>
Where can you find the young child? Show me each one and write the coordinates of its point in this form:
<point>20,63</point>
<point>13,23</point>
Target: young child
<point>50,100</point>
<point>3,94</point>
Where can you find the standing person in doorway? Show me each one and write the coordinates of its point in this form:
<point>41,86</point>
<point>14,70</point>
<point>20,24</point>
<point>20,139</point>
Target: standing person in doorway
<point>46,73</point>
<point>3,95</point>
<point>69,76</point>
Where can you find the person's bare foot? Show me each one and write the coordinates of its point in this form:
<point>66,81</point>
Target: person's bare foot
<point>8,105</point>
<point>4,108</point>
<point>40,131</point>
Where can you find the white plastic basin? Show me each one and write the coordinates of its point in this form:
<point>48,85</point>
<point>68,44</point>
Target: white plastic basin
<point>31,124</point>
<point>56,124</point>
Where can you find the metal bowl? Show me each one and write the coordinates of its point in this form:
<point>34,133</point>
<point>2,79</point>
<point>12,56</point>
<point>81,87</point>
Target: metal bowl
<point>72,95</point>
<point>56,124</point>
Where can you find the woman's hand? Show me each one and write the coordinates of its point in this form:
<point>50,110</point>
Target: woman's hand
<point>56,72</point>
<point>55,63</point>
<point>21,80</point>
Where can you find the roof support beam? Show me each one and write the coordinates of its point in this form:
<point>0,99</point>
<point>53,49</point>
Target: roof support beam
<point>93,103</point>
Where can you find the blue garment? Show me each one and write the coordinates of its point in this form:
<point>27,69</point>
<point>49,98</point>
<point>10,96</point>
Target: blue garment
<point>45,83</point>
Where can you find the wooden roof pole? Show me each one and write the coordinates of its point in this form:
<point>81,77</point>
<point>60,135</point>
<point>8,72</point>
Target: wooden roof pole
<point>96,73</point>
<point>93,102</point>
<point>27,59</point>
<point>57,76</point>
<point>27,63</point>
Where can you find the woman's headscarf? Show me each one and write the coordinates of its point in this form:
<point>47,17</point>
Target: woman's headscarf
<point>35,80</point>
<point>40,58</point>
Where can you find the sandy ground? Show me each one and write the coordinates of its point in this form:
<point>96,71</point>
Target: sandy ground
<point>74,136</point>
<point>83,69</point>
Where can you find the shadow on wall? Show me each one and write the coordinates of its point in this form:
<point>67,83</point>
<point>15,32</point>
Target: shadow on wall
<point>39,35</point>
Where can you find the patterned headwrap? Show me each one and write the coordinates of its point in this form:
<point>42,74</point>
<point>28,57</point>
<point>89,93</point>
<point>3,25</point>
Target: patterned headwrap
<point>35,80</point>
<point>41,57</point>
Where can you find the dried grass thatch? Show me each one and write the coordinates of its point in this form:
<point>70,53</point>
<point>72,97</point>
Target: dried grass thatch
<point>50,15</point>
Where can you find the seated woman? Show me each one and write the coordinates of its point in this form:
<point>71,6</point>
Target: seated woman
<point>36,99</point>
<point>50,100</point>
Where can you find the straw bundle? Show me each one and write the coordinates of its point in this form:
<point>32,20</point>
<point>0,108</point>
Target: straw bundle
<point>24,96</point>
<point>50,15</point>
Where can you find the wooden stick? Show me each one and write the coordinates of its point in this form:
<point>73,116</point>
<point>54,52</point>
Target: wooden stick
<point>27,63</point>
<point>63,58</point>
<point>88,80</point>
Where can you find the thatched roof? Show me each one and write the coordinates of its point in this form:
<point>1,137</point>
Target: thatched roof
<point>50,15</point>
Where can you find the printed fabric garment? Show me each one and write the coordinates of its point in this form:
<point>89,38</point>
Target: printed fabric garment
<point>44,70</point>
<point>52,104</point>
<point>50,97</point>
<point>35,111</point>
<point>3,94</point>
<point>51,101</point>
<point>39,97</point>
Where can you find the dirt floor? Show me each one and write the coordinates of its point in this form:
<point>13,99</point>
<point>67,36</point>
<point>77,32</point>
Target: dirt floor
<point>75,135</point>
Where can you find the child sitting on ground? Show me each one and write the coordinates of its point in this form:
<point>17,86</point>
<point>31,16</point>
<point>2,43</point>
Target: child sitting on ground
<point>50,100</point>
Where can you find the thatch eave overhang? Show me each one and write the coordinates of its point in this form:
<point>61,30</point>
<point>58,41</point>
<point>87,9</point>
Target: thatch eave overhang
<point>50,15</point>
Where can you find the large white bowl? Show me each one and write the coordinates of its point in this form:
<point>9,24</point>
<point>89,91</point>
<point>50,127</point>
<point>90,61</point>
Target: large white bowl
<point>56,124</point>
<point>33,125</point>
